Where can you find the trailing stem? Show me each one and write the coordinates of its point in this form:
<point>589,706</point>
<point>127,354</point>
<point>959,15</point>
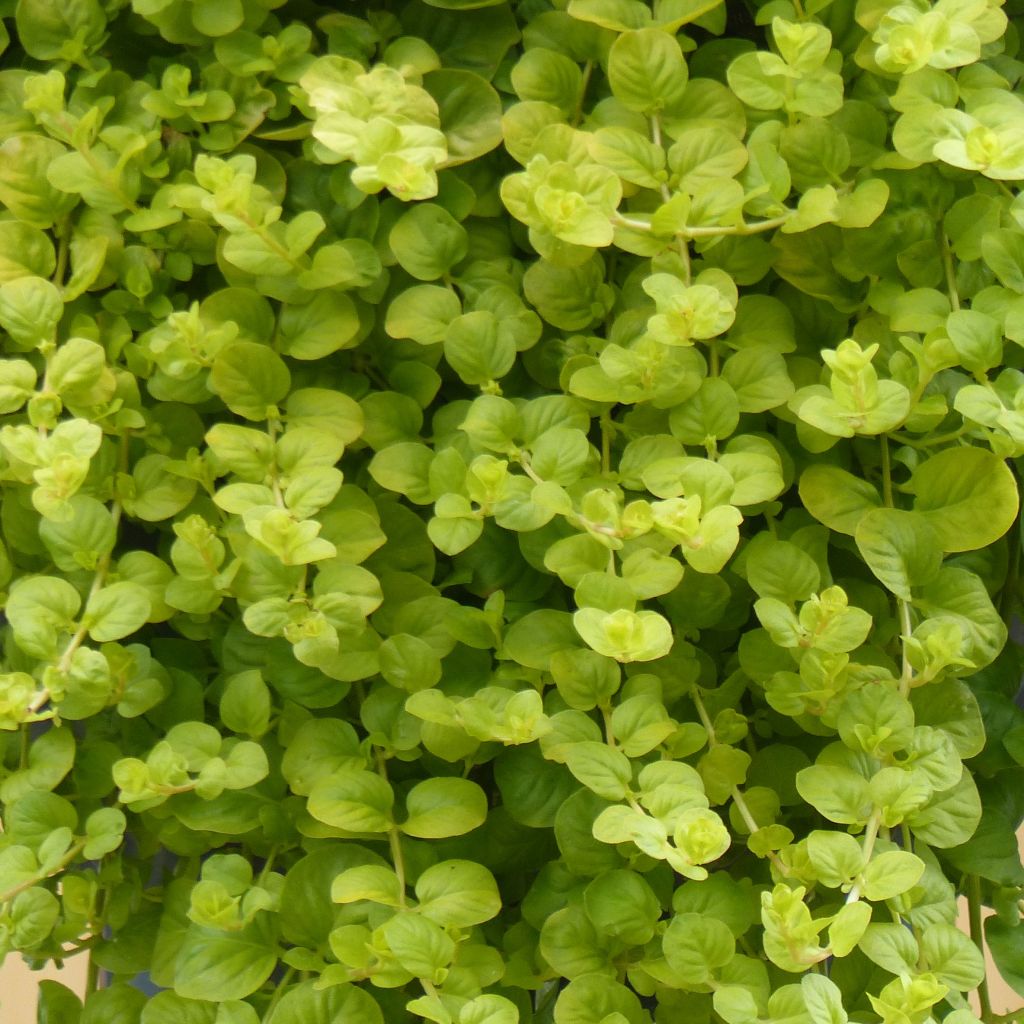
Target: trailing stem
<point>977,936</point>
<point>394,838</point>
<point>906,623</point>
<point>867,848</point>
<point>280,989</point>
<point>737,794</point>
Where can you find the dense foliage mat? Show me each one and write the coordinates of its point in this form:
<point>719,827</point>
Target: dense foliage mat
<point>511,511</point>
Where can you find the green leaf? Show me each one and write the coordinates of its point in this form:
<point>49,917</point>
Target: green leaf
<point>81,541</point>
<point>250,379</point>
<point>759,377</point>
<point>25,188</point>
<point>218,965</point>
<point>1003,252</point>
<point>420,946</point>
<point>357,801</point>
<point>409,663</point>
<point>622,904</point>
<point>601,769</point>
<point>325,324</point>
<point>839,794</point>
<point>33,912</point>
<point>700,835</point>
<point>30,309</point>
<point>533,640</point>
<point>625,635</point>
<point>782,570</point>
<point>891,946</point>
<point>169,1007</point>
<point>549,77</point>
<point>847,927</point>
<point>584,678</point>
<point>649,574</point>
<point>458,893</point>
<point>571,298</point>
<point>116,611</point>
<point>837,498</point>
<point>646,71</point>
<point>367,882</point>
<point>958,595</point>
<point>455,526</point>
<point>427,241</point>
<point>75,368</point>
<point>17,384</point>
<point>477,349</point>
<point>952,957</point>
<point>890,874</point>
<point>640,723</point>
<point>469,109</point>
<point>438,808</point>
<point>462,5</point>
<point>630,155</point>
<point>735,1004</point>
<point>835,856</point>
<point>704,156</point>
<point>876,719</point>
<point>992,851</point>
<point>260,253</point>
<point>976,338</point>
<point>49,30</point>
<point>596,997</point>
<point>409,541</point>
<point>57,1004</point>
<point>158,493</point>
<point>119,1004</point>
<point>422,313</point>
<point>968,496</point>
<point>340,1002</point>
<point>489,1009</point>
<point>823,999</point>
<point>696,948</point>
<point>951,817</point>
<point>217,19</point>
<point>39,609</point>
<point>245,704</point>
<point>900,548</point>
<point>104,829</point>
<point>758,79</point>
<point>1004,942</point>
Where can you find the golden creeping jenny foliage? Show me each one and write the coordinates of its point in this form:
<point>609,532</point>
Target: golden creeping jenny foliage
<point>510,510</point>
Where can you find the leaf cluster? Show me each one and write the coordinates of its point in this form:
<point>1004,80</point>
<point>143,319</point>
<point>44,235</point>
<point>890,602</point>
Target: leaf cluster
<point>510,509</point>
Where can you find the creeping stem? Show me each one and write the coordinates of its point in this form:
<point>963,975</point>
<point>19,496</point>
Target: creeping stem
<point>681,243</point>
<point>279,991</point>
<point>705,231</point>
<point>99,578</point>
<point>737,794</point>
<point>577,114</point>
<point>63,232</point>
<point>949,270</point>
<point>868,847</point>
<point>906,623</point>
<point>394,837</point>
<point>28,883</point>
<point>977,936</point>
<point>273,425</point>
<point>907,628</point>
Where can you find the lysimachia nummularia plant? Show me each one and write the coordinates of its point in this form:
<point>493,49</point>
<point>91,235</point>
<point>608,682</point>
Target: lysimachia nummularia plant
<point>510,509</point>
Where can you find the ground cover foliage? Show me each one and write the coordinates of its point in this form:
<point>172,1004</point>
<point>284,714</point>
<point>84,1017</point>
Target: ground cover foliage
<point>511,511</point>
